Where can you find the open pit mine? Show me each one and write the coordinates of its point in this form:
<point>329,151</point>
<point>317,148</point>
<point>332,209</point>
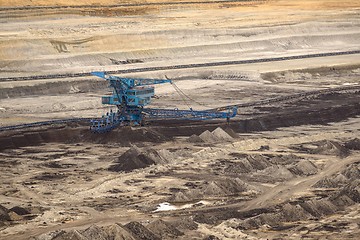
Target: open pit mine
<point>199,119</point>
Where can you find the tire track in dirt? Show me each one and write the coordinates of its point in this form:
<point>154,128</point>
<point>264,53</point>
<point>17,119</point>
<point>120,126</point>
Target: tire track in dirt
<point>287,190</point>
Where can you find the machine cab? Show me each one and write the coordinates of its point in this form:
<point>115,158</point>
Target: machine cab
<point>137,96</point>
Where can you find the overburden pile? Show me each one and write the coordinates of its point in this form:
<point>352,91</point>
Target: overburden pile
<point>218,135</point>
<point>156,230</point>
<point>135,158</point>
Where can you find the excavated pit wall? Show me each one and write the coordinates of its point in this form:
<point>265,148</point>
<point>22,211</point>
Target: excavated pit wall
<point>160,131</point>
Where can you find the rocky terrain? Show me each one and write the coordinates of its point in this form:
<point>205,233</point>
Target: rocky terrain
<point>286,167</point>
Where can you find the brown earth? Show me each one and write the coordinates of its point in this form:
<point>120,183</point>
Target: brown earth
<point>284,169</point>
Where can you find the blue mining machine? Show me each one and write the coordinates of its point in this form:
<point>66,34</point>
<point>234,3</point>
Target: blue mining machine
<point>131,95</point>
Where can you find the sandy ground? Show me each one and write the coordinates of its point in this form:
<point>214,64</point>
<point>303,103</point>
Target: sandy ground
<point>287,170</point>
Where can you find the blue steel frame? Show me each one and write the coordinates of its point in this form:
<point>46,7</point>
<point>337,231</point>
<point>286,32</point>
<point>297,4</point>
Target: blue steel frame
<point>130,95</point>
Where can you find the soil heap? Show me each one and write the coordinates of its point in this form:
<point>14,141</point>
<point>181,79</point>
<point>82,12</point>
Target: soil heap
<point>353,144</point>
<point>218,135</point>
<point>134,158</point>
<point>164,229</point>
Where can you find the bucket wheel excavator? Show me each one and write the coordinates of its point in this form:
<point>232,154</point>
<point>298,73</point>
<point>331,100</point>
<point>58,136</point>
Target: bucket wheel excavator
<point>131,95</point>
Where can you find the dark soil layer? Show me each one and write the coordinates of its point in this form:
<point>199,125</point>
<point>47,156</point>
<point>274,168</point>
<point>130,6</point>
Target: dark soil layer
<point>328,108</point>
<point>134,158</point>
<point>53,88</point>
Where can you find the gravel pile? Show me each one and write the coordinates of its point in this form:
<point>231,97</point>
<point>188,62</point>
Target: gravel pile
<point>345,187</point>
<point>195,139</point>
<point>304,168</point>
<point>350,174</point>
<point>220,187</point>
<point>325,147</point>
<point>269,168</point>
<point>94,232</point>
<point>140,232</point>
<point>353,144</point>
<point>134,158</point>
<point>218,135</point>
<point>18,213</point>
<point>118,232</point>
<point>131,231</point>
<point>164,229</point>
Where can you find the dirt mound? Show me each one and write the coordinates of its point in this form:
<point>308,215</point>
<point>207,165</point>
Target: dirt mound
<point>185,224</point>
<point>134,158</point>
<point>4,216</point>
<point>350,174</point>
<point>141,232</point>
<point>231,132</point>
<point>303,168</point>
<point>319,208</point>
<point>290,212</point>
<point>94,232</point>
<point>258,162</point>
<point>218,135</point>
<point>282,159</point>
<point>131,231</point>
<point>19,210</point>
<point>208,137</point>
<point>164,229</point>
<point>129,135</point>
<point>351,191</point>
<point>18,213</point>
<point>70,235</point>
<point>274,173</point>
<point>332,148</point>
<point>325,147</point>
<point>293,213</point>
<point>353,144</point>
<point>79,132</point>
<point>211,237</point>
<point>246,164</point>
<point>195,139</point>
<point>238,167</point>
<point>117,232</point>
<point>224,187</point>
<point>267,167</point>
<point>220,187</point>
<point>331,182</point>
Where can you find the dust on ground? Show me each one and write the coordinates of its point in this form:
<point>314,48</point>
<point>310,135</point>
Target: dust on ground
<point>283,170</point>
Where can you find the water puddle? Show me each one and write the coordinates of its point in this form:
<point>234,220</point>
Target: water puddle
<point>165,206</point>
